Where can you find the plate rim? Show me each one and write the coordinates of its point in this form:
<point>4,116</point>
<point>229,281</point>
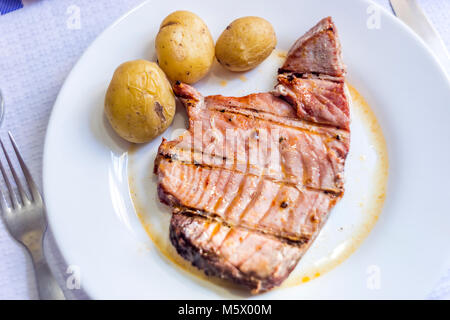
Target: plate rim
<point>49,132</point>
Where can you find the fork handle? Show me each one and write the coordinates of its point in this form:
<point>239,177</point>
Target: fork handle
<point>47,285</point>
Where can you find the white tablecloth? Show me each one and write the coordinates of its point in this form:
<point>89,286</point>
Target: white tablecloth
<point>37,51</point>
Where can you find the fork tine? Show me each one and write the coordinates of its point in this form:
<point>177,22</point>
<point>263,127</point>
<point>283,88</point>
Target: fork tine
<point>31,184</point>
<point>22,195</point>
<point>3,204</point>
<point>12,194</point>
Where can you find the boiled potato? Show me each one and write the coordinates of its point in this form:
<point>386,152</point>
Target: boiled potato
<point>139,102</point>
<point>184,47</point>
<point>245,43</point>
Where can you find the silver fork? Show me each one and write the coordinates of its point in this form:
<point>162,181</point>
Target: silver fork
<point>26,221</point>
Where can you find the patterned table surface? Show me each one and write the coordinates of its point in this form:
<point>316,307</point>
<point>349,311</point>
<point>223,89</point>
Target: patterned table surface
<point>39,46</point>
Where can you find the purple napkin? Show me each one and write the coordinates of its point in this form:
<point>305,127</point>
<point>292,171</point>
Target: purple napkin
<point>10,5</point>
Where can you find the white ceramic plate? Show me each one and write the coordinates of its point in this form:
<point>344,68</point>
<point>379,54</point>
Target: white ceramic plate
<point>86,171</point>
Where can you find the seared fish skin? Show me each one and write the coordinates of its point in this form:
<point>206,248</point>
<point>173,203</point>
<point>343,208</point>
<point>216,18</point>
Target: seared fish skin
<point>254,178</point>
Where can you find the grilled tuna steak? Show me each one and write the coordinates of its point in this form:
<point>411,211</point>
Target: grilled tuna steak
<point>253,179</point>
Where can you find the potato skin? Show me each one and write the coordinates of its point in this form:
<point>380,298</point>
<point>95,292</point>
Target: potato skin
<point>139,102</point>
<point>184,47</point>
<point>245,43</point>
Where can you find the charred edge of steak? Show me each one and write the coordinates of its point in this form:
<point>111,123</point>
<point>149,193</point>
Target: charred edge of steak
<point>186,93</point>
<point>214,265</point>
<point>162,155</point>
<point>167,198</point>
<point>158,157</point>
